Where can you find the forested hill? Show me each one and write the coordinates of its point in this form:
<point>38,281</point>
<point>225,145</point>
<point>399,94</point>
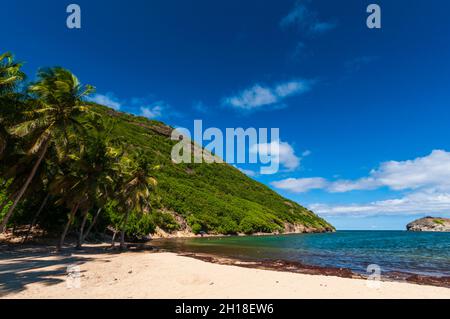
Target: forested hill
<point>211,198</point>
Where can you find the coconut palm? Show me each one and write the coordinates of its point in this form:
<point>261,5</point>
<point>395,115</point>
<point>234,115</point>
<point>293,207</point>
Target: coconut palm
<point>89,173</point>
<point>97,164</point>
<point>14,172</point>
<point>35,217</point>
<point>10,74</point>
<point>40,185</point>
<point>58,99</point>
<point>135,193</point>
<point>70,193</point>
<point>10,78</point>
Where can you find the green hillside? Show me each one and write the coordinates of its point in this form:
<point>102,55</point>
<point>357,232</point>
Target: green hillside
<point>211,198</point>
<point>69,166</point>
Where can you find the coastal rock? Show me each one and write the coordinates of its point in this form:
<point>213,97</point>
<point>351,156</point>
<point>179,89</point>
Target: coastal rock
<point>430,224</point>
<point>290,228</point>
<point>184,231</point>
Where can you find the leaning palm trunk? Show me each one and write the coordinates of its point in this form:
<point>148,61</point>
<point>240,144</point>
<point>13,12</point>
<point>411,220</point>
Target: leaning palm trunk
<point>122,234</point>
<point>113,240</point>
<point>66,229</point>
<point>7,201</point>
<point>38,213</point>
<point>91,225</point>
<point>80,235</point>
<point>25,186</point>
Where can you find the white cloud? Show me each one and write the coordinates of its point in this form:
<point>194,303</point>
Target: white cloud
<point>252,98</point>
<point>343,186</point>
<point>247,172</point>
<point>153,111</point>
<point>422,202</point>
<point>425,179</point>
<point>321,27</point>
<point>301,185</point>
<point>108,100</point>
<point>259,96</point>
<point>306,20</point>
<point>286,154</point>
<point>143,106</point>
<point>429,172</point>
<point>295,185</point>
<point>298,15</point>
<point>290,88</point>
<point>306,153</point>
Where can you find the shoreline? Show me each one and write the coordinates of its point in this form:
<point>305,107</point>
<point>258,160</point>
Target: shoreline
<point>272,265</point>
<point>162,235</point>
<point>37,272</point>
<point>297,267</point>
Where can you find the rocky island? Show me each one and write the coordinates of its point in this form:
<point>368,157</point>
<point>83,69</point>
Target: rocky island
<point>430,224</point>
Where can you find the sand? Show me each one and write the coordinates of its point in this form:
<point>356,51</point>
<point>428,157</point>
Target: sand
<point>31,274</point>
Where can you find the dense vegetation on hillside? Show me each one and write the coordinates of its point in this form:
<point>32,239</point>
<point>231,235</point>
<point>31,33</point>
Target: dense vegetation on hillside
<point>215,198</point>
<point>67,164</point>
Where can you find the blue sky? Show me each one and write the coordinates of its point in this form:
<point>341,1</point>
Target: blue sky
<point>363,114</point>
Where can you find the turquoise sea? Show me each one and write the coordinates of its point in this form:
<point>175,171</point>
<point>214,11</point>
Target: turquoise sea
<point>394,251</point>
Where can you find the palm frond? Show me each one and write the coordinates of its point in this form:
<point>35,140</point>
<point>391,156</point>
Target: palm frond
<point>41,140</point>
<point>28,127</point>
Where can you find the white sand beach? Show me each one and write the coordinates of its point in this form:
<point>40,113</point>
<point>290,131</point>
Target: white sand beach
<point>168,275</point>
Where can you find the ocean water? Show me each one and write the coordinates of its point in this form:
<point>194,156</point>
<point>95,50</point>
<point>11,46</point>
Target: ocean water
<point>394,251</point>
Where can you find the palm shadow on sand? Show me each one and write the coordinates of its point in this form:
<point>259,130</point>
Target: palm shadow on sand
<point>23,266</point>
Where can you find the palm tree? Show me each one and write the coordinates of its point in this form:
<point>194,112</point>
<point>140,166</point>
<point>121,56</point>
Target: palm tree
<point>135,193</point>
<point>35,217</point>
<point>70,192</point>
<point>88,174</point>
<point>10,78</point>
<point>98,177</point>
<point>14,172</point>
<point>41,183</point>
<point>10,73</point>
<point>58,101</point>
